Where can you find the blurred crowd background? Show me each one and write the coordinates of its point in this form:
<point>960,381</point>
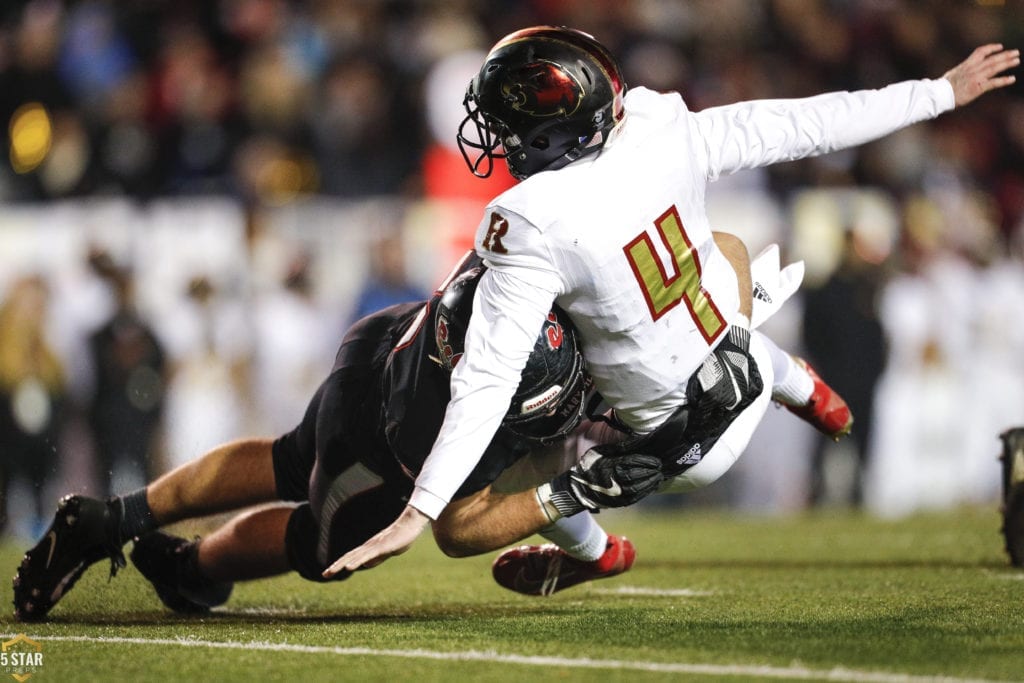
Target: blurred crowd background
<point>199,196</point>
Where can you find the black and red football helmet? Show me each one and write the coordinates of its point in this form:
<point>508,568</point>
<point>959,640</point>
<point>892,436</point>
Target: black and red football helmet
<point>551,397</point>
<point>546,96</point>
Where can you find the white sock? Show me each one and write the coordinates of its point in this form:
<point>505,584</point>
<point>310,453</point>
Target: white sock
<point>793,385</point>
<point>580,536</point>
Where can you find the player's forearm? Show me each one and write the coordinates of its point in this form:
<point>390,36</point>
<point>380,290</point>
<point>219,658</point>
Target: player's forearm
<point>735,252</point>
<point>501,335</point>
<point>469,424</point>
<point>763,132</point>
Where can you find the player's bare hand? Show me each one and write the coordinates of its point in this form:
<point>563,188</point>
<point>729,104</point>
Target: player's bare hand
<point>394,540</point>
<point>980,72</point>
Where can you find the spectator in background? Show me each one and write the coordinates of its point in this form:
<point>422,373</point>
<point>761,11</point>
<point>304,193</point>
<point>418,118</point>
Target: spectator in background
<point>209,338</point>
<point>844,341</point>
<point>388,282</point>
<point>32,388</point>
<point>128,397</point>
<point>295,343</point>
<point>339,91</point>
<point>191,113</point>
<point>995,369</point>
<point>94,55</point>
<point>363,144</point>
<point>29,83</point>
<point>919,460</point>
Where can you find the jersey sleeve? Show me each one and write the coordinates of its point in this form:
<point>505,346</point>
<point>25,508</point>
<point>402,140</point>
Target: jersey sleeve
<point>762,132</point>
<point>508,312</point>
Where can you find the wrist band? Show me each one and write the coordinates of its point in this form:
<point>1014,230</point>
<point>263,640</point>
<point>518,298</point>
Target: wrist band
<point>544,501</point>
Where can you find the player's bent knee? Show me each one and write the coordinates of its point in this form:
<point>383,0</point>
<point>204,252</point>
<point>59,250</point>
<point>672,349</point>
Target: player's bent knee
<point>451,538</point>
<point>457,531</point>
<point>301,544</point>
<point>451,546</point>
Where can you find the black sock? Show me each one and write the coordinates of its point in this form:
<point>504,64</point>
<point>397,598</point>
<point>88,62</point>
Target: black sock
<point>136,517</point>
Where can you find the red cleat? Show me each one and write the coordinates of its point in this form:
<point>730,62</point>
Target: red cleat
<point>826,411</point>
<point>546,569</point>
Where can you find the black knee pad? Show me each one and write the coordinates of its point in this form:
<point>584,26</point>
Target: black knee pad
<point>301,539</point>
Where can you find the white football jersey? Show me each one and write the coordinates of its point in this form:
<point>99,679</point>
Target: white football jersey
<point>622,242</point>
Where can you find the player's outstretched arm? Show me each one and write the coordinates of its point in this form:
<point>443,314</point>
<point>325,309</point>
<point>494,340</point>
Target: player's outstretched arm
<point>980,72</point>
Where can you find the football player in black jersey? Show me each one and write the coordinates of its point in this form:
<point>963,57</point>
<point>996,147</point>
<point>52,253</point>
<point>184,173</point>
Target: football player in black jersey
<point>343,474</point>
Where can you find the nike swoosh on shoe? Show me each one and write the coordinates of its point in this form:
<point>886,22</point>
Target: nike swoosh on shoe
<point>53,546</point>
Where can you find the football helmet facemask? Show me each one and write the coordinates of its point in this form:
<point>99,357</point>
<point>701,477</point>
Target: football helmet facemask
<point>550,400</point>
<point>546,96</point>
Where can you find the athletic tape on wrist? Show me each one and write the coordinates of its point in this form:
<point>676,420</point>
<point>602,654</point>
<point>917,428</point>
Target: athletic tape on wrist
<point>557,501</point>
<point>564,497</point>
<point>544,500</point>
<point>740,337</point>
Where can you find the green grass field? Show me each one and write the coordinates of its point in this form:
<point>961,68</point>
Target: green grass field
<point>713,596</point>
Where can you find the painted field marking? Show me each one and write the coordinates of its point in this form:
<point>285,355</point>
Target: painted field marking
<point>656,592</point>
<point>262,611</point>
<point>739,670</point>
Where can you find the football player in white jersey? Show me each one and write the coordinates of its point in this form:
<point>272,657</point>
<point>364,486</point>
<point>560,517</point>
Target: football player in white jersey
<point>609,223</point>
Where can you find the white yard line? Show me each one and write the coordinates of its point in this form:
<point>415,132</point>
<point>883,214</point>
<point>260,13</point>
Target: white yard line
<point>739,670</point>
<point>657,592</point>
<point>261,611</point>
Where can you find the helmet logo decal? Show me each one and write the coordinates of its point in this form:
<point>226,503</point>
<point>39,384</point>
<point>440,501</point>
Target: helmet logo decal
<point>543,89</point>
<point>449,358</point>
<point>539,402</point>
<point>554,332</point>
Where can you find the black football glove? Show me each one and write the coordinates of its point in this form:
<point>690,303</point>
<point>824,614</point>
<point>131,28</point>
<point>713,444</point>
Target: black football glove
<point>728,379</point>
<point>605,481</point>
<point>725,384</point>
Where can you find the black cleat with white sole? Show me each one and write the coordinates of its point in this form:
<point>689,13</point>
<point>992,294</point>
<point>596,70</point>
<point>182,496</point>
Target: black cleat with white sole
<point>84,531</point>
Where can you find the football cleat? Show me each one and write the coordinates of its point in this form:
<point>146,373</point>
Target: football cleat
<point>826,410</point>
<point>170,564</point>
<point>83,532</point>
<point>546,569</point>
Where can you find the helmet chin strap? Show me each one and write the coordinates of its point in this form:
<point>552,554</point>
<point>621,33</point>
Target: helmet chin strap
<point>585,146</point>
<point>593,145</point>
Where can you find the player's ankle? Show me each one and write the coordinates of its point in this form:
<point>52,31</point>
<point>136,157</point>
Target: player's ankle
<point>136,516</point>
<point>796,387</point>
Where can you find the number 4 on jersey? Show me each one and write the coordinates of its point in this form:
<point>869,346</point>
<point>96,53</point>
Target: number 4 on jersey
<point>663,290</point>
